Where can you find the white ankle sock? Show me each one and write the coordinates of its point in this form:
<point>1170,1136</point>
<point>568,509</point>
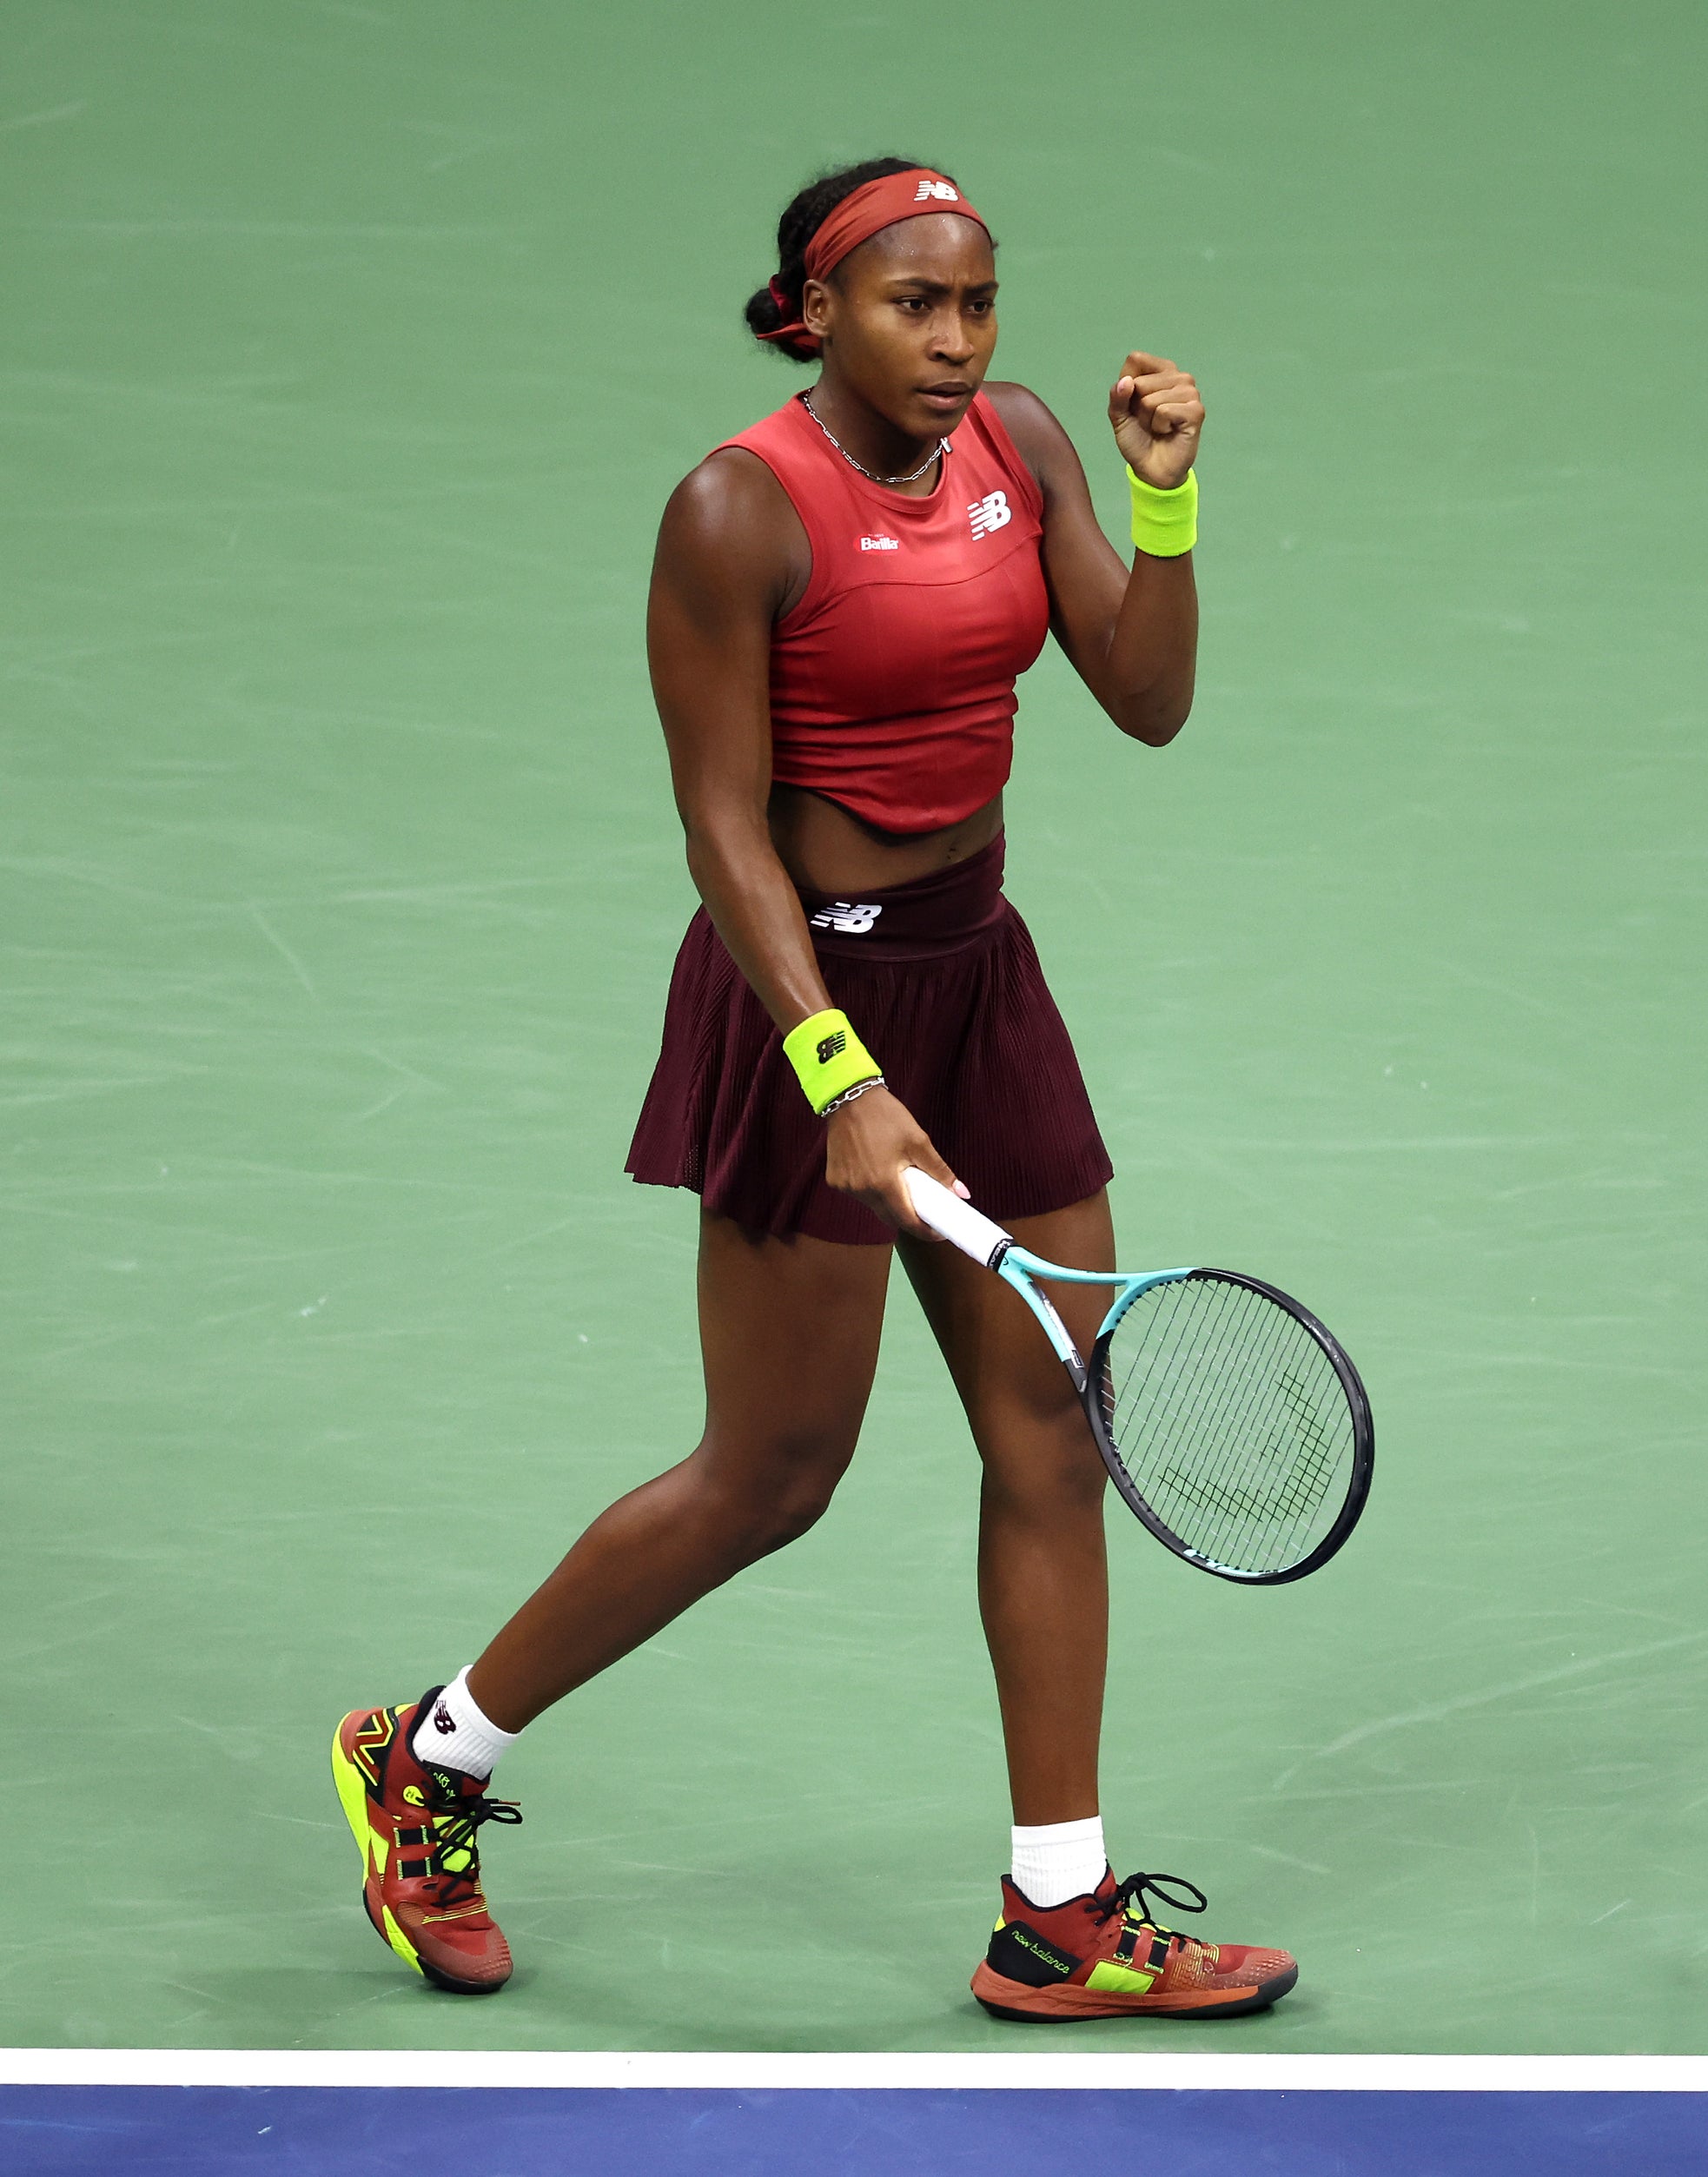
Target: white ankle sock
<point>1055,1861</point>
<point>455,1735</point>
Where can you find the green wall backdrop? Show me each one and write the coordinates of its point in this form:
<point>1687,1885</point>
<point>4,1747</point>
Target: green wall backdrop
<point>349,354</point>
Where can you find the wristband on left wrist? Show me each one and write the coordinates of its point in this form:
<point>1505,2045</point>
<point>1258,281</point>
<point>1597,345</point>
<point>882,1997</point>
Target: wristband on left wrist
<point>1165,523</point>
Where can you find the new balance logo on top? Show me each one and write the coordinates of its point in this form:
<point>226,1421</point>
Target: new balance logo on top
<point>993,511</point>
<point>849,918</point>
<point>940,190</point>
<point>880,544</point>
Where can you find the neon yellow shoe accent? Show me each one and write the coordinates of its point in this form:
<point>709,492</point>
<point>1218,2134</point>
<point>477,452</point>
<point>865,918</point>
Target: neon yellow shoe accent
<point>1121,1980</point>
<point>398,1940</point>
<point>351,1796</point>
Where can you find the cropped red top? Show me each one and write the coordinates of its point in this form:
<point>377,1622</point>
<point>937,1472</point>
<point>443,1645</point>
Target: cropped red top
<point>892,680</point>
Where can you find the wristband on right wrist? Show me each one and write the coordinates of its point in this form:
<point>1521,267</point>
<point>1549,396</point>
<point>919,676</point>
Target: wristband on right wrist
<point>1165,523</point>
<point>828,1057</point>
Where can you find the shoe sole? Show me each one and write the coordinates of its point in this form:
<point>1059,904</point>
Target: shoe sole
<point>353,1798</point>
<point>1057,2006</point>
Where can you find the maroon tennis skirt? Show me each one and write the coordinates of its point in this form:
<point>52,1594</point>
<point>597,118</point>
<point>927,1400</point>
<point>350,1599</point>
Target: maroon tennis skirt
<point>941,980</point>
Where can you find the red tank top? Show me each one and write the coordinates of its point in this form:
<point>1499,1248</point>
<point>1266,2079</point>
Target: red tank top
<point>892,680</point>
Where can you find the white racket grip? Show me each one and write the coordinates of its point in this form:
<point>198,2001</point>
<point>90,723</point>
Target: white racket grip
<point>970,1230</point>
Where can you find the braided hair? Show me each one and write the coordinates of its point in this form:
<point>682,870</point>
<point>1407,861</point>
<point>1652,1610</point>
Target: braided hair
<point>802,218</point>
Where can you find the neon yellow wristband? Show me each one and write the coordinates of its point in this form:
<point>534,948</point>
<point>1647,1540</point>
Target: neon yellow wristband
<point>1165,523</point>
<point>828,1056</point>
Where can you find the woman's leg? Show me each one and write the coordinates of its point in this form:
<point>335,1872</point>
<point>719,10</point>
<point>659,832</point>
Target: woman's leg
<point>1042,1580</point>
<point>790,1331</point>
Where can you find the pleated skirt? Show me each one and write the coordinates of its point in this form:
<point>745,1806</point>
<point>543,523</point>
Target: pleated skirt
<point>942,982</point>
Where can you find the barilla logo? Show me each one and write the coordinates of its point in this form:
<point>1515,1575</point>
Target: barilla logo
<point>940,190</point>
<point>992,512</point>
<point>849,918</point>
<point>880,544</point>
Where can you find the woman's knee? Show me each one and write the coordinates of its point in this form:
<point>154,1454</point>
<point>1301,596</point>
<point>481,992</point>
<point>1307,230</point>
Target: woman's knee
<point>1043,1464</point>
<point>768,1495</point>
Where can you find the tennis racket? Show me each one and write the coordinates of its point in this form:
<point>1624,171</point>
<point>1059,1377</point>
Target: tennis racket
<point>1230,1420</point>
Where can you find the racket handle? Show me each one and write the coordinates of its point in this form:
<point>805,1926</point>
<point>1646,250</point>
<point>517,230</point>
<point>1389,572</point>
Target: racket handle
<point>972,1232</point>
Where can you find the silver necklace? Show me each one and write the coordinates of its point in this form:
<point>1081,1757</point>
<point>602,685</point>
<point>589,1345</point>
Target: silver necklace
<point>913,475</point>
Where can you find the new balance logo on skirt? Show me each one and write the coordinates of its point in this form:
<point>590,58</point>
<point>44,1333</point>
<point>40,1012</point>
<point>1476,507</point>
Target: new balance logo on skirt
<point>940,190</point>
<point>991,512</point>
<point>849,918</point>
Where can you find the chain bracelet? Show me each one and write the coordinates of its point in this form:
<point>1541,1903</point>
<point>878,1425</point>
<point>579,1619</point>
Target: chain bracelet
<point>849,1095</point>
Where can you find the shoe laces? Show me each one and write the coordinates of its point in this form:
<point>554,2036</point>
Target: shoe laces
<point>1132,1892</point>
<point>455,1821</point>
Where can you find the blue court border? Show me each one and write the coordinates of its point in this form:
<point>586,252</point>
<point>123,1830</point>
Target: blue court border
<point>354,2131</point>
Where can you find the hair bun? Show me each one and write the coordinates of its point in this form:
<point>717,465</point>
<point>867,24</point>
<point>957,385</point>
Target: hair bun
<point>779,302</point>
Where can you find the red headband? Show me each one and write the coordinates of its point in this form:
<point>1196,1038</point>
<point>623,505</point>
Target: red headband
<point>890,199</point>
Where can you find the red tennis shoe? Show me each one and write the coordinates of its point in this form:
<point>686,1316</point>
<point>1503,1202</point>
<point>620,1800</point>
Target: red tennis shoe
<point>1101,1957</point>
<point>414,1828</point>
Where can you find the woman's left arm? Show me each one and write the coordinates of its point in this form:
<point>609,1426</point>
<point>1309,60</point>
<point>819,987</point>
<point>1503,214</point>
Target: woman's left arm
<point>1132,638</point>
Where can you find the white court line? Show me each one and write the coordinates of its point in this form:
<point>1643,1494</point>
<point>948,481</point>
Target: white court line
<point>712,2068</point>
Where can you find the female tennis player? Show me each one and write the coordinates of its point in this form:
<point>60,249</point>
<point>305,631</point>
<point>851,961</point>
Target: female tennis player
<point>842,598</point>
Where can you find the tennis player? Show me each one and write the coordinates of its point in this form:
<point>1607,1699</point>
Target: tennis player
<point>842,598</point>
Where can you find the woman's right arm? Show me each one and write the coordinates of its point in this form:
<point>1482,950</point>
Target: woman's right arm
<point>729,561</point>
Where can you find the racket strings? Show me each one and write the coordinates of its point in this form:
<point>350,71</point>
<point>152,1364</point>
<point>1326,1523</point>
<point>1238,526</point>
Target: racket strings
<point>1279,1478</point>
<point>1165,1352</point>
<point>1237,1427</point>
<point>1262,1478</point>
<point>1212,1424</point>
<point>1231,1420</point>
<point>1314,1467</point>
<point>1207,1424</point>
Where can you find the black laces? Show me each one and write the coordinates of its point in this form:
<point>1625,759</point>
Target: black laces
<point>455,1821</point>
<point>1132,1892</point>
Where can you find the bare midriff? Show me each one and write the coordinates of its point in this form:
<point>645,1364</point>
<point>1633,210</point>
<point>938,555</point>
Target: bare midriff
<point>825,849</point>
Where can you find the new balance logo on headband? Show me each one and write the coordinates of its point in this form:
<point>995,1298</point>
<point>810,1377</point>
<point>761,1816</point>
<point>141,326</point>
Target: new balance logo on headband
<point>940,190</point>
<point>993,511</point>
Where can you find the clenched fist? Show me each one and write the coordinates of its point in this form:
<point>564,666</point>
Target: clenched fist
<point>1157,417</point>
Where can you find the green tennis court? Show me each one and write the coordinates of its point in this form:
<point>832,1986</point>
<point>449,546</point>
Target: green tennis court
<point>350,354</point>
